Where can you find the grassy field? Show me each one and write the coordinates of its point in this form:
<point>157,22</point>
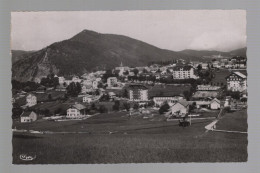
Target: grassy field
<point>133,140</point>
<point>235,121</point>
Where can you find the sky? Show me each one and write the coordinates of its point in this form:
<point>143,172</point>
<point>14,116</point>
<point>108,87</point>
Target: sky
<point>222,30</point>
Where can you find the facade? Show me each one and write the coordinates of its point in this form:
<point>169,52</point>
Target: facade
<point>215,104</point>
<point>31,100</point>
<point>61,80</point>
<point>159,100</point>
<point>138,93</point>
<point>27,117</point>
<point>76,111</point>
<point>180,109</point>
<point>111,82</point>
<point>207,88</point>
<point>95,84</point>
<point>183,72</point>
<point>236,81</point>
<point>86,99</point>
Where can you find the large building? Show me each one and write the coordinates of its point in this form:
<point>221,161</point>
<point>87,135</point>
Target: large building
<point>76,111</point>
<point>183,72</point>
<point>27,117</point>
<point>111,82</point>
<point>236,81</point>
<point>138,93</point>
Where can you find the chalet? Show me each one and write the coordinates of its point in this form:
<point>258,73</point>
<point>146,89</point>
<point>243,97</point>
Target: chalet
<point>215,104</point>
<point>87,99</point>
<point>180,109</point>
<point>236,81</point>
<point>205,66</point>
<point>183,72</point>
<point>138,93</point>
<point>28,116</point>
<point>76,111</point>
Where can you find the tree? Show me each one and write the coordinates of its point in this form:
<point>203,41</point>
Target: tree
<point>126,72</point>
<point>199,67</point>
<point>58,111</point>
<point>136,71</point>
<point>116,106</point>
<point>93,106</point>
<point>136,106</point>
<point>103,109</point>
<point>49,97</point>
<point>187,95</point>
<point>164,108</point>
<point>74,89</point>
<point>126,106</point>
<point>125,93</point>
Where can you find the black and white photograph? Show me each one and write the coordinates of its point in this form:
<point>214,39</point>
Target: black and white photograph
<point>140,86</point>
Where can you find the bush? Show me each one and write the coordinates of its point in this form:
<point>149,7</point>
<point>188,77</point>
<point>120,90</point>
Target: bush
<point>103,109</point>
<point>164,108</point>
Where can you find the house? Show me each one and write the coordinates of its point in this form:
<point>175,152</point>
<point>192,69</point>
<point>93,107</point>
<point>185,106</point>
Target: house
<point>236,81</point>
<point>61,80</point>
<point>111,82</point>
<point>183,72</point>
<point>180,109</point>
<point>87,99</point>
<point>76,111</point>
<point>28,116</point>
<point>95,84</point>
<point>31,100</point>
<point>159,100</point>
<point>205,66</point>
<point>215,104</point>
<point>138,93</point>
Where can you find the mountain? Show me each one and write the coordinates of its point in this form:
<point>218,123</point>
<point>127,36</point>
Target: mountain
<point>18,54</point>
<point>88,51</point>
<point>207,53</point>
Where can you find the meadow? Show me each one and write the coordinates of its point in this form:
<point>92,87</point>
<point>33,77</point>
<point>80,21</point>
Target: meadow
<point>118,138</point>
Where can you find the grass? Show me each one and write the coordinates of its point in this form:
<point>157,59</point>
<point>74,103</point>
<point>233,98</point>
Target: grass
<point>136,140</point>
<point>234,121</point>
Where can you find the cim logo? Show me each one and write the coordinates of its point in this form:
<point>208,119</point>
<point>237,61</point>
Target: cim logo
<point>27,157</point>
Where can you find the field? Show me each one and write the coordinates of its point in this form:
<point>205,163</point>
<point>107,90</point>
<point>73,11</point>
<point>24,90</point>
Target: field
<point>118,138</point>
<point>234,121</point>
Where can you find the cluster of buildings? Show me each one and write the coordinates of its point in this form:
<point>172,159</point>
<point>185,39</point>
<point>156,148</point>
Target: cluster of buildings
<point>205,96</point>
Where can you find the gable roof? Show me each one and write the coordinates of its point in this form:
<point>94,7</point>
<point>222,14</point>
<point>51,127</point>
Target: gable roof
<point>239,74</point>
<point>138,87</point>
<point>26,114</point>
<point>216,100</point>
<point>79,106</point>
<point>182,102</point>
<point>184,67</point>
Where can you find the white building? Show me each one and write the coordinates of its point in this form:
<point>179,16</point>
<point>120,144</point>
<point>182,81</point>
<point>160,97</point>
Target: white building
<point>31,100</point>
<point>180,109</point>
<point>138,93</point>
<point>76,111</point>
<point>236,81</point>
<point>215,104</point>
<point>28,117</point>
<point>61,80</point>
<point>183,72</point>
<point>111,82</point>
<point>87,99</point>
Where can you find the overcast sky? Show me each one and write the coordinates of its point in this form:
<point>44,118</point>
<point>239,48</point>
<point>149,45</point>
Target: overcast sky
<point>222,30</point>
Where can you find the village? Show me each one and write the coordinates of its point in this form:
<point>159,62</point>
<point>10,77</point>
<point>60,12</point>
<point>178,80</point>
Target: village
<point>175,90</point>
